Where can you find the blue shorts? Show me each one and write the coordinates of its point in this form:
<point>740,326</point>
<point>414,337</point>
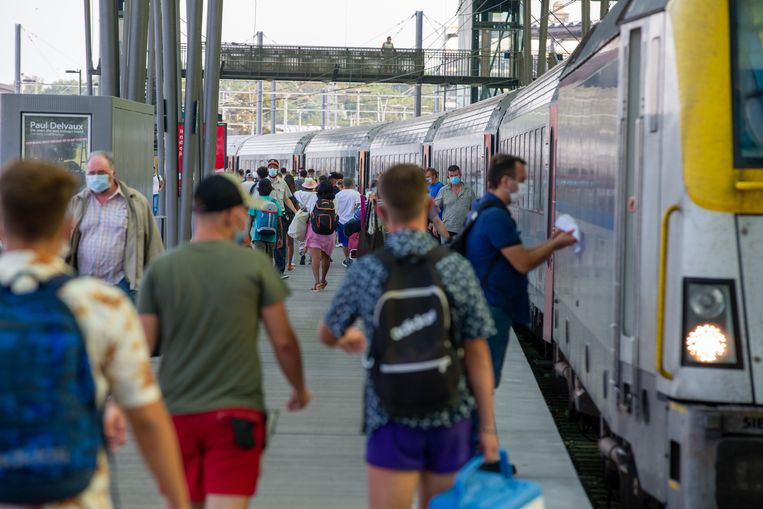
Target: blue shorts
<point>342,237</point>
<point>439,450</point>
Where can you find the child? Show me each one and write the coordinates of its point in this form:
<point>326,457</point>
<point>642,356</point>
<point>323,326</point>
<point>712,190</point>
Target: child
<point>266,222</point>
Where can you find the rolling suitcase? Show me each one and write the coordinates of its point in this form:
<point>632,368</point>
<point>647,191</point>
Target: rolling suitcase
<point>477,489</point>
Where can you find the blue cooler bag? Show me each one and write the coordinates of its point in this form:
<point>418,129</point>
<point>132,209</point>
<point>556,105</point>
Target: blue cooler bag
<point>478,489</point>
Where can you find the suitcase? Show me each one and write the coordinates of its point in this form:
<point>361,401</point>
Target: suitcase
<point>477,489</point>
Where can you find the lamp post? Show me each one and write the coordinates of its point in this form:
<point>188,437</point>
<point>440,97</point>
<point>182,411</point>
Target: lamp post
<point>78,72</point>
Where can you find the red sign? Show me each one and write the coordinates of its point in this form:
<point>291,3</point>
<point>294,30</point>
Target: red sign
<point>220,150</point>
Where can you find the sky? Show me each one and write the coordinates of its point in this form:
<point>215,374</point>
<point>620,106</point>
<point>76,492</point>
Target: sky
<point>53,39</point>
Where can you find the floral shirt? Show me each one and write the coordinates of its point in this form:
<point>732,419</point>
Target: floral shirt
<point>363,287</point>
<point>116,346</point>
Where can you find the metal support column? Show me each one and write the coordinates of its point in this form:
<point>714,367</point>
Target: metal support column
<point>259,89</point>
<point>527,54</point>
<point>123,45</point>
<point>212,82</point>
<point>419,59</point>
<point>273,107</point>
<point>17,67</point>
<point>323,108</point>
<point>603,8</point>
<point>586,15</point>
<point>169,16</point>
<point>88,49</point>
<point>161,126</point>
<point>151,74</point>
<point>109,82</point>
<point>542,37</point>
<point>136,56</point>
<point>191,120</point>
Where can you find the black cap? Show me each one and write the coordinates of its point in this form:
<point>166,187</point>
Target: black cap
<point>220,192</point>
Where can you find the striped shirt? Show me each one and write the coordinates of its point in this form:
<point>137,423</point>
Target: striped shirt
<point>103,228</point>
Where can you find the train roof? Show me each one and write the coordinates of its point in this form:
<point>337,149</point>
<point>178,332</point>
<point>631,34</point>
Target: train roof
<point>406,132</point>
<point>478,118</point>
<point>540,93</point>
<point>234,141</point>
<point>344,139</point>
<point>270,145</point>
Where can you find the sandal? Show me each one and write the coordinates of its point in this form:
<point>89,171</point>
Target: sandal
<point>322,285</point>
<point>317,288</point>
<point>290,267</point>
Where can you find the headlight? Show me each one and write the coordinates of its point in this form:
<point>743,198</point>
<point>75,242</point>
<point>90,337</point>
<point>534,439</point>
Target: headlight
<point>710,324</point>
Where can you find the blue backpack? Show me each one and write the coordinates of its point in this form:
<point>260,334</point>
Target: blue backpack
<point>50,425</point>
<point>267,220</point>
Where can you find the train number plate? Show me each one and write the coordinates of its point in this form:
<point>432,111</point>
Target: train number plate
<point>745,423</point>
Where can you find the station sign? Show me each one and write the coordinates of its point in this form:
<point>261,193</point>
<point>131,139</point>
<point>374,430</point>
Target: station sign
<point>59,138</point>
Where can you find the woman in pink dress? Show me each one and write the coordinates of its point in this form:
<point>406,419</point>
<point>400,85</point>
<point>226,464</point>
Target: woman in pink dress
<point>320,246</point>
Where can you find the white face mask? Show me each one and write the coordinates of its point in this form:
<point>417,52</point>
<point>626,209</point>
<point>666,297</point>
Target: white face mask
<point>521,191</point>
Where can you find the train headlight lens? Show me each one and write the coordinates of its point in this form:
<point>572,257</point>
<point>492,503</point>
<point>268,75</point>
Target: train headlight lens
<point>707,301</point>
<point>710,336</point>
<point>706,343</point>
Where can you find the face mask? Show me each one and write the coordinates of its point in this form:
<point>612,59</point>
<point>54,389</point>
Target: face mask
<point>272,172</point>
<point>515,197</point>
<point>429,180</point>
<point>455,180</point>
<point>97,183</point>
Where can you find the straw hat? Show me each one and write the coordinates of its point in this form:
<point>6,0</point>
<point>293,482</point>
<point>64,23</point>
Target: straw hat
<point>309,183</point>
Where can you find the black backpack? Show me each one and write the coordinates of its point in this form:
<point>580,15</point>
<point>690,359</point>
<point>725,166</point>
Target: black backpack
<point>414,362</point>
<point>323,218</point>
<point>458,243</point>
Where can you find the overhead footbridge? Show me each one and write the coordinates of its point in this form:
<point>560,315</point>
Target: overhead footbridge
<point>336,64</point>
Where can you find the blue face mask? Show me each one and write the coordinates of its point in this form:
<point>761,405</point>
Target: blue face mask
<point>272,172</point>
<point>97,183</point>
<point>239,237</point>
<point>455,180</point>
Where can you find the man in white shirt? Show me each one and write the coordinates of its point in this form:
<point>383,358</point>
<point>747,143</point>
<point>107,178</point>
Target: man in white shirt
<point>248,182</point>
<point>347,202</point>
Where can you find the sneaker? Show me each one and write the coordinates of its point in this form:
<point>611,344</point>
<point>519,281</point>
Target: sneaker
<point>346,263</point>
<point>302,260</point>
<point>338,244</point>
<point>284,276</point>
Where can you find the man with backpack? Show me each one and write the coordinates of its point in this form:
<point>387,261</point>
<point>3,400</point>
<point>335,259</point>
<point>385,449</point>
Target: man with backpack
<point>266,221</point>
<point>427,359</point>
<point>204,302</point>
<point>66,343</point>
<point>492,244</point>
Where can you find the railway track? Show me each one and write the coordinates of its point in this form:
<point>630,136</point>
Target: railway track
<point>579,437</point>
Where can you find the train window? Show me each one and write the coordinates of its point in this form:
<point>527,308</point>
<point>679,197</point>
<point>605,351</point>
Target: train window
<point>747,66</point>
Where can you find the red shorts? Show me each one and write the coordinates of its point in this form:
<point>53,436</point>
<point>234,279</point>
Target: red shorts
<point>221,451</point>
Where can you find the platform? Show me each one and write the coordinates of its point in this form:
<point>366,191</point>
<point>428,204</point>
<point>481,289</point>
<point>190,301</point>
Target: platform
<point>315,459</point>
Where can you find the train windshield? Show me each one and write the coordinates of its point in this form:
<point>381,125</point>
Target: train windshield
<point>747,46</point>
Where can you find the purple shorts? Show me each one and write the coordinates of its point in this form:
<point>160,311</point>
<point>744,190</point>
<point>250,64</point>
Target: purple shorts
<point>440,450</point>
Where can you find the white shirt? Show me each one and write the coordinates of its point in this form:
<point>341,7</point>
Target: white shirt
<point>116,347</point>
<point>347,201</point>
<point>307,200</point>
<point>248,186</point>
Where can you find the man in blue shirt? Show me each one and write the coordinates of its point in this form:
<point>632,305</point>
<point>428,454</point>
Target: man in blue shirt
<point>433,179</point>
<point>500,260</point>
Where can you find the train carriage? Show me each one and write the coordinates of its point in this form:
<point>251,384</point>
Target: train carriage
<point>525,132</point>
<point>287,148</point>
<point>467,137</point>
<point>408,141</point>
<point>343,150</point>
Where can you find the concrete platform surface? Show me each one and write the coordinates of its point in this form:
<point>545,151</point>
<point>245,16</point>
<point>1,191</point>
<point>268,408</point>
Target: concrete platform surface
<point>315,459</point>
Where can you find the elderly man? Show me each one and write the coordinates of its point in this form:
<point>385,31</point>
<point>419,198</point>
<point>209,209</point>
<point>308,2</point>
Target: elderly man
<point>115,235</point>
<point>455,201</point>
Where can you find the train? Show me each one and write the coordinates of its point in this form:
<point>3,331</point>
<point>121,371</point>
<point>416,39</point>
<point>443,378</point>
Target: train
<point>650,136</point>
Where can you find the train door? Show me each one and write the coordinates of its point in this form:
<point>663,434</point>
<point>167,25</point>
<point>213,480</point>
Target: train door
<point>426,155</point>
<point>487,148</point>
<point>363,162</point>
<point>629,210</point>
<point>549,313</point>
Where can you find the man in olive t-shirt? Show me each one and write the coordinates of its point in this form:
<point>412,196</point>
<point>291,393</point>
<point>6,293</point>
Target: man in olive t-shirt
<point>203,302</point>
